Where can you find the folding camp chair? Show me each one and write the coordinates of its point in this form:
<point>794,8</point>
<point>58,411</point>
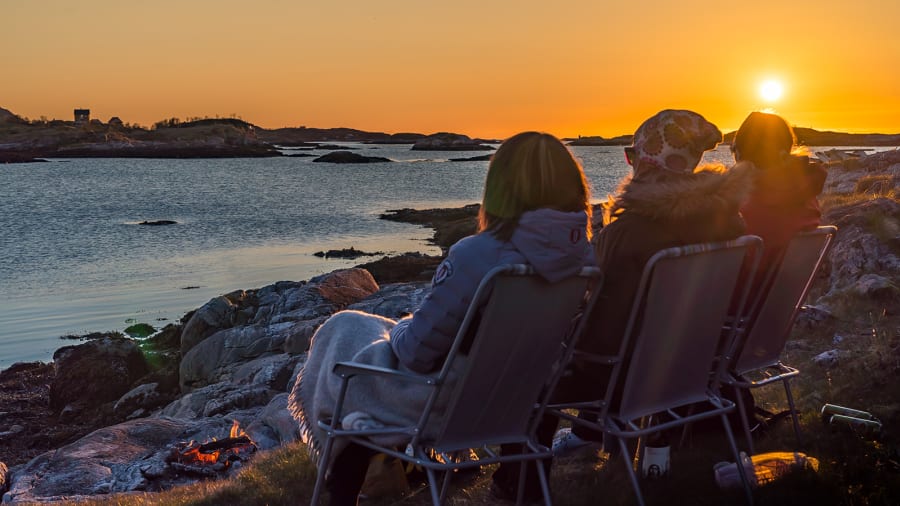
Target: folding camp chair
<point>522,325</point>
<point>663,375</point>
<point>754,358</point>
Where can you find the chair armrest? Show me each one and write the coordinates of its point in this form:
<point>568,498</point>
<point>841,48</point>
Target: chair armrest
<point>589,405</point>
<point>350,369</point>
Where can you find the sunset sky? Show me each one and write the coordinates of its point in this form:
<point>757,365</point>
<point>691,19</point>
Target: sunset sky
<point>482,68</point>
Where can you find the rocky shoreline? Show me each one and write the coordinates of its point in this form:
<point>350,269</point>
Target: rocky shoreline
<point>24,141</point>
<point>36,415</point>
<point>107,414</point>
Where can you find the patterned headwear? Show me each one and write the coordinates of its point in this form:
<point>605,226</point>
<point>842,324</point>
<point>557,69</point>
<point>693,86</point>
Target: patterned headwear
<point>673,140</point>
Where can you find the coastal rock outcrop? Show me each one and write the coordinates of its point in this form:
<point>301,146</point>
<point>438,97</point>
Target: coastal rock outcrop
<point>349,157</point>
<point>156,223</point>
<point>868,241</point>
<point>449,142</point>
<point>349,253</point>
<point>479,158</point>
<point>223,312</point>
<point>865,258</point>
<point>238,373</point>
<point>95,373</point>
<point>240,327</point>
<point>450,224</point>
<point>406,267</point>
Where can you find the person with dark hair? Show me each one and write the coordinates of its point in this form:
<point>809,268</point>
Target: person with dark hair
<point>783,201</point>
<point>536,210</point>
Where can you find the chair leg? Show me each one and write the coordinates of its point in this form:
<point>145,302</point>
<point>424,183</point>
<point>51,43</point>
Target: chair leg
<point>629,466</point>
<point>448,474</point>
<point>794,417</point>
<point>520,487</point>
<point>322,470</point>
<point>745,480</point>
<point>742,412</point>
<point>640,443</point>
<point>686,430</point>
<point>433,486</point>
<point>545,485</point>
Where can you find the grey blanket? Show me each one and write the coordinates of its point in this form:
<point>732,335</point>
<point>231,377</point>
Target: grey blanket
<point>371,401</point>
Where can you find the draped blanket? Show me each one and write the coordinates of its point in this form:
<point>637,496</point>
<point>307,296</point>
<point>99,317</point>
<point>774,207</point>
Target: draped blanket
<point>371,401</point>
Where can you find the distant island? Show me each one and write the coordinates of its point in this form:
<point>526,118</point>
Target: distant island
<point>24,140</point>
<point>805,137</point>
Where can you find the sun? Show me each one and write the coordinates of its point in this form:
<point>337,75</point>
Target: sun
<point>771,90</point>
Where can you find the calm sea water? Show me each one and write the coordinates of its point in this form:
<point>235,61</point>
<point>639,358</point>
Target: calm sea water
<point>75,261</point>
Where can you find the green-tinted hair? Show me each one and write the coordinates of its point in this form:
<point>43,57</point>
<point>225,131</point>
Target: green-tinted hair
<point>529,171</point>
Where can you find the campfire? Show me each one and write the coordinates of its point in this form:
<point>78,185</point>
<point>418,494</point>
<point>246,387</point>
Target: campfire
<point>214,456</point>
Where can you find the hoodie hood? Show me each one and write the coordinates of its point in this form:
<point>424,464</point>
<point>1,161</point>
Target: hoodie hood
<point>709,191</point>
<point>794,183</point>
<point>553,242</point>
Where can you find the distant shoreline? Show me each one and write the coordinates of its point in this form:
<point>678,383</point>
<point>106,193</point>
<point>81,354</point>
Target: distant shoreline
<point>23,141</point>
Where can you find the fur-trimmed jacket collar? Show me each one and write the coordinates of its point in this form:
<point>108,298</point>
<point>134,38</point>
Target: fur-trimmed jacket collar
<point>710,190</point>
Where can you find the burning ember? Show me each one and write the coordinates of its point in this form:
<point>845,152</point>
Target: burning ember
<point>214,456</point>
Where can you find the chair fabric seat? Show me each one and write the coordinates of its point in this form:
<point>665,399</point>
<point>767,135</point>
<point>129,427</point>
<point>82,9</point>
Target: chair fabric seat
<point>754,357</point>
<point>665,374</point>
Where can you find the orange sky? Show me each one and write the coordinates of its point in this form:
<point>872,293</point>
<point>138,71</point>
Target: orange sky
<point>483,68</point>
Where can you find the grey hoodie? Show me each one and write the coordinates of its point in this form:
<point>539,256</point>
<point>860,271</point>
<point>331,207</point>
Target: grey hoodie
<point>552,242</point>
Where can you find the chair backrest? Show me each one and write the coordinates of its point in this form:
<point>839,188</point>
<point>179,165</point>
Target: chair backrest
<point>523,323</point>
<point>675,325</point>
<point>772,315</point>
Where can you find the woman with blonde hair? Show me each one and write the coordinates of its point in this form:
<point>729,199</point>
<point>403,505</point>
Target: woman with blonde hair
<point>535,210</point>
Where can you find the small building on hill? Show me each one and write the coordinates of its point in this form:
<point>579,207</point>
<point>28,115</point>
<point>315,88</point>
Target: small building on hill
<point>82,116</point>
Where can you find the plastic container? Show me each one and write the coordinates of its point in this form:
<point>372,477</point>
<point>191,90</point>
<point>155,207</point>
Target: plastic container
<point>833,409</point>
<point>859,425</point>
<point>656,461</point>
<point>763,468</point>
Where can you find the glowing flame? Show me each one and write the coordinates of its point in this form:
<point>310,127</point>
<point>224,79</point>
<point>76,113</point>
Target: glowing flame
<point>236,430</point>
<point>195,455</point>
<point>235,447</point>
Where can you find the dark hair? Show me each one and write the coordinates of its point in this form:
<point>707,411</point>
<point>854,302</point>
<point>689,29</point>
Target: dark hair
<point>764,139</point>
<point>529,171</point>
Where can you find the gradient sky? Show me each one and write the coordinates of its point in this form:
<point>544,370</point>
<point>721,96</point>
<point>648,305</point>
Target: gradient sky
<point>484,68</point>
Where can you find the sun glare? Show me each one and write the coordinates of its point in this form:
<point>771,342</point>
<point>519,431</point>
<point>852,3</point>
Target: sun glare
<point>771,90</point>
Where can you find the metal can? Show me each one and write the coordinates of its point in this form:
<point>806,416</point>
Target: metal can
<point>834,409</point>
<point>857,424</point>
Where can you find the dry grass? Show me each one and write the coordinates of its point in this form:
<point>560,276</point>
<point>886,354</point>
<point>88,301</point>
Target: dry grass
<point>283,476</point>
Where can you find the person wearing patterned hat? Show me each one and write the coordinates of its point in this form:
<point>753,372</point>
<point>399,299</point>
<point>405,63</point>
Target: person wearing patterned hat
<point>667,201</point>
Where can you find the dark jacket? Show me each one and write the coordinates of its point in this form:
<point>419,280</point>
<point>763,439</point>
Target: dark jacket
<point>782,203</point>
<point>700,207</point>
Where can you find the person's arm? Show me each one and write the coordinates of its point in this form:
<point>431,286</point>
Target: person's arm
<point>816,175</point>
<point>422,341</point>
